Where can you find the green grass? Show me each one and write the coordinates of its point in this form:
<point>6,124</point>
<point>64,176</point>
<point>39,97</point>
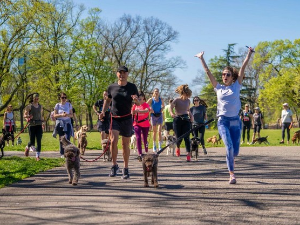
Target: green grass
<point>52,144</point>
<point>13,169</point>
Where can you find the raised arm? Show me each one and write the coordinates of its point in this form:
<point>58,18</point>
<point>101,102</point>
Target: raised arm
<point>209,74</point>
<point>242,70</point>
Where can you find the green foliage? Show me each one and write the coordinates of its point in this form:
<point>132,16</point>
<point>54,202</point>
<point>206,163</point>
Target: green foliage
<point>13,169</point>
<point>280,68</point>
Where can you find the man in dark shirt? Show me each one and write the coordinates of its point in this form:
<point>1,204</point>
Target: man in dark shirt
<point>121,95</point>
<point>103,124</point>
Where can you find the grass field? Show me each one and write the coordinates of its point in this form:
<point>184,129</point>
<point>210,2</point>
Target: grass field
<point>51,144</point>
<point>13,169</point>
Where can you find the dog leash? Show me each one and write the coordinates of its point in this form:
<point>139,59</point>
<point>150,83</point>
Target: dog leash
<point>108,145</point>
<point>22,130</point>
<point>185,134</point>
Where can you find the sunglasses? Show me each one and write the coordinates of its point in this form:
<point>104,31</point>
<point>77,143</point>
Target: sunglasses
<point>63,97</point>
<point>226,74</point>
<point>196,100</point>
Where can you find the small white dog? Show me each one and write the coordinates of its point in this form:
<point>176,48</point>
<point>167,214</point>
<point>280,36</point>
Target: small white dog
<point>133,143</point>
<point>171,141</point>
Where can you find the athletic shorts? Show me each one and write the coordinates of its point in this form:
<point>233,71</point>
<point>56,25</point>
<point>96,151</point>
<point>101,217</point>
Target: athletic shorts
<point>257,128</point>
<point>169,126</point>
<point>156,120</point>
<point>125,127</point>
<point>103,125</point>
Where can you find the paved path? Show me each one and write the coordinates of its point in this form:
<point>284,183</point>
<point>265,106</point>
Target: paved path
<point>267,192</point>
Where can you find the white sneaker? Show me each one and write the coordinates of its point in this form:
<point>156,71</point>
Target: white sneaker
<point>62,156</point>
<point>242,142</point>
<point>248,143</point>
<point>32,149</point>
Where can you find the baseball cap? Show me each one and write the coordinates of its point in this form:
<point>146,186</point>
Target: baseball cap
<point>257,108</point>
<point>285,104</point>
<point>122,68</point>
<point>36,95</point>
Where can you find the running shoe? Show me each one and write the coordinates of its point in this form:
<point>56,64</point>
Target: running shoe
<point>32,148</point>
<point>125,173</point>
<point>188,158</point>
<point>26,153</point>
<point>204,151</point>
<point>177,152</point>
<point>232,179</point>
<point>113,171</point>
<point>38,158</point>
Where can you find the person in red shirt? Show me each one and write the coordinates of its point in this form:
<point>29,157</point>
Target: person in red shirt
<point>141,122</point>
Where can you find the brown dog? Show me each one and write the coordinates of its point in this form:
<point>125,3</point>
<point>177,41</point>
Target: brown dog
<point>150,163</point>
<point>213,140</point>
<point>82,142</point>
<point>77,134</point>
<point>72,160</point>
<point>106,147</point>
<point>296,137</point>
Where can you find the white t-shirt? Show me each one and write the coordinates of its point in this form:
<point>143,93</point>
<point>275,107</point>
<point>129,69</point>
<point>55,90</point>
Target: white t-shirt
<point>229,103</point>
<point>67,107</point>
<point>286,116</point>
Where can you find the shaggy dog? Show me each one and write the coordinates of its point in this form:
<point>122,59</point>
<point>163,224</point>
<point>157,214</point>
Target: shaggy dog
<point>150,162</point>
<point>133,143</point>
<point>77,134</point>
<point>72,160</point>
<point>195,146</point>
<point>105,147</point>
<point>213,140</point>
<point>19,141</point>
<point>171,143</point>
<point>82,142</point>
<point>6,136</point>
<point>296,137</point>
<point>261,140</point>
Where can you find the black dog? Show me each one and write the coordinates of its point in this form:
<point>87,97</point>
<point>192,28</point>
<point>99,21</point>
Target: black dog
<point>195,146</point>
<point>6,136</point>
<point>261,140</point>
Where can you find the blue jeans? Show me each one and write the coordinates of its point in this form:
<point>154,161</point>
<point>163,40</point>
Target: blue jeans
<point>230,131</point>
<point>62,133</point>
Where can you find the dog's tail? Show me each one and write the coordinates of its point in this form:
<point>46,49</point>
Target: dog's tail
<point>65,142</point>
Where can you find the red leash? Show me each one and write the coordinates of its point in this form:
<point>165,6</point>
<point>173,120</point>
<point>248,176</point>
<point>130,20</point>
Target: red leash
<point>107,146</point>
<point>22,130</point>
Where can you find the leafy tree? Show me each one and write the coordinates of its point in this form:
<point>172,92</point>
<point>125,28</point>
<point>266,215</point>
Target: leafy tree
<point>279,62</point>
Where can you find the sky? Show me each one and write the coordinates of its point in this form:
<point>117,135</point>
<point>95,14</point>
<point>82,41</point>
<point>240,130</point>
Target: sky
<point>210,25</point>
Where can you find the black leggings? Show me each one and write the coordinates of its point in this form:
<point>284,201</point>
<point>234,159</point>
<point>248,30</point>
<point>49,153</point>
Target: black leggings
<point>181,126</point>
<point>35,132</point>
<point>201,131</point>
<point>246,126</point>
<point>285,126</point>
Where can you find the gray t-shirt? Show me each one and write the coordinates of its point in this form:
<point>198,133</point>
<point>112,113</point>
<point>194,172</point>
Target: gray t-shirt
<point>199,114</point>
<point>229,103</point>
<point>181,106</point>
